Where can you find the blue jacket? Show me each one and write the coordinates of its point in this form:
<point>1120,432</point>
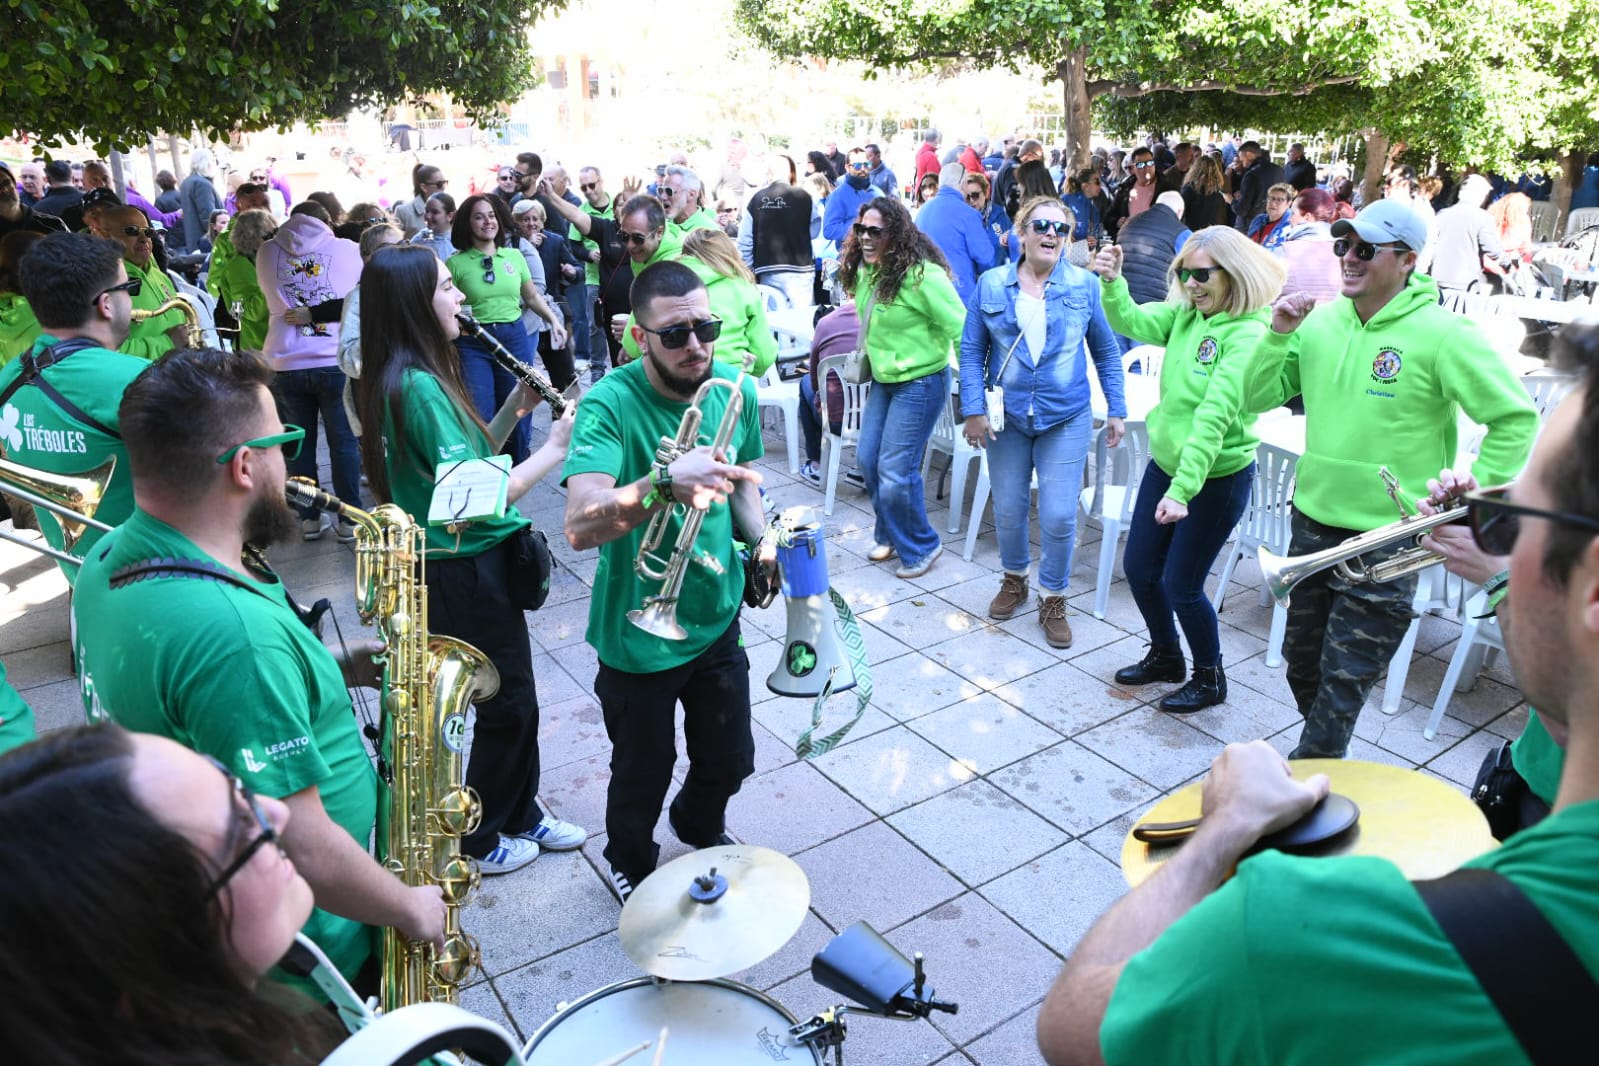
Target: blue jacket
<point>843,208</point>
<point>960,234</point>
<point>996,216</point>
<point>1276,232</point>
<point>1040,391</point>
<point>1087,214</point>
<point>883,180</point>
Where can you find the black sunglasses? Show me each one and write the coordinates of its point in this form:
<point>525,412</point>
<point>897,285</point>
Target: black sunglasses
<point>675,337</point>
<point>1145,165</point>
<point>974,197</point>
<point>632,238</point>
<point>135,231</point>
<point>1199,274</point>
<point>863,230</point>
<point>488,270</point>
<point>1495,521</point>
<point>509,175</point>
<point>665,192</point>
<point>1049,225</point>
<point>1364,250</point>
<point>589,186</point>
<point>131,287</point>
<point>267,835</point>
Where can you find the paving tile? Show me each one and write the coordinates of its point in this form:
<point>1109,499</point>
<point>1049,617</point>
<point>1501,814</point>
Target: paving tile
<point>1108,839</point>
<point>1059,896</point>
<point>990,658</point>
<point>556,683</point>
<point>976,831</point>
<point>1247,715</point>
<point>1104,662</point>
<point>1160,748</point>
<point>571,731</point>
<point>977,957</point>
<point>1066,699</point>
<point>975,594</point>
<point>535,993</point>
<point>1088,632</point>
<point>914,685</point>
<point>1073,787</point>
<point>576,791</point>
<point>871,588</point>
<point>794,808</point>
<point>1402,733</point>
<point>870,1041</point>
<point>872,874</point>
<point>560,625</point>
<point>1512,723</point>
<point>56,705</point>
<point>881,646</point>
<point>793,959</point>
<point>1485,701</point>
<point>38,666</point>
<point>950,569</point>
<point>1269,681</point>
<point>984,732</point>
<point>33,624</point>
<point>923,620</point>
<point>480,999</point>
<point>540,909</point>
<point>1461,762</point>
<point>1013,1044</point>
<point>893,769</point>
<point>787,718</point>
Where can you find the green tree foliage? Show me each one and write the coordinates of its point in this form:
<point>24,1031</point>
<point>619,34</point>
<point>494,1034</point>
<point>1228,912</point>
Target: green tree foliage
<point>117,71</point>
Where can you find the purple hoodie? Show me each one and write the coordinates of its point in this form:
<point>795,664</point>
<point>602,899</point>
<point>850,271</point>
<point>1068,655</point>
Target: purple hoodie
<point>303,266</point>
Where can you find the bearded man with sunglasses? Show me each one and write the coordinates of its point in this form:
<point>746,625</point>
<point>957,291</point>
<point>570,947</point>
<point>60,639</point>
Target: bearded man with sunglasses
<point>1384,372</point>
<point>615,488</point>
<point>58,401</point>
<point>1212,959</point>
<point>154,337</point>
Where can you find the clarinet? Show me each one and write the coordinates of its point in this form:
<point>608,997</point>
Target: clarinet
<point>471,327</point>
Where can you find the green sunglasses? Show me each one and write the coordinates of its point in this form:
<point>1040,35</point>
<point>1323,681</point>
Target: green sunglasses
<point>290,438</point>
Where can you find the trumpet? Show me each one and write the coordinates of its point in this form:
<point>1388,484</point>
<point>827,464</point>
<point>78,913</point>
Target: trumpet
<point>191,318</point>
<point>471,327</point>
<point>1283,572</point>
<point>659,613</point>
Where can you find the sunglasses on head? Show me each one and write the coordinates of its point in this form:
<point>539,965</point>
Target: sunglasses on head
<point>863,230</point>
<point>488,270</point>
<point>1049,225</point>
<point>1365,251</point>
<point>633,238</point>
<point>1199,274</point>
<point>135,231</point>
<point>675,337</point>
<point>1495,521</point>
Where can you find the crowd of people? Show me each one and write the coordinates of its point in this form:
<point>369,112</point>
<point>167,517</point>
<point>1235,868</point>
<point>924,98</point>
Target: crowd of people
<point>222,727</point>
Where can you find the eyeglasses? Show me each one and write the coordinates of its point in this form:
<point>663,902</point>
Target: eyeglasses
<point>135,231</point>
<point>1277,200</point>
<point>1199,274</point>
<point>488,270</point>
<point>1049,225</point>
<point>267,835</point>
<point>263,177</point>
<point>291,439</point>
<point>633,238</point>
<point>675,337</point>
<point>1364,250</point>
<point>1495,521</point>
<point>861,166</point>
<point>588,186</point>
<point>131,287</point>
<point>1145,165</point>
<point>863,230</point>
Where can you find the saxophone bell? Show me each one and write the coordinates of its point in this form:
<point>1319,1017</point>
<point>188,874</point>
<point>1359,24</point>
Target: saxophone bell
<point>191,318</point>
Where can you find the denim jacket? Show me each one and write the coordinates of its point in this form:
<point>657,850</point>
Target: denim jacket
<point>1041,391</point>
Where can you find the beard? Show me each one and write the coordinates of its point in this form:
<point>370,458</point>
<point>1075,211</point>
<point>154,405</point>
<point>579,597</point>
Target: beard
<point>679,384</point>
<point>269,521</point>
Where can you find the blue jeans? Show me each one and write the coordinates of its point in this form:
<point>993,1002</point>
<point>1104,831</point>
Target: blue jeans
<point>1167,565</point>
<point>302,396</point>
<point>811,421</point>
<point>895,428</point>
<point>577,321</point>
<point>489,384</point>
<point>1058,454</point>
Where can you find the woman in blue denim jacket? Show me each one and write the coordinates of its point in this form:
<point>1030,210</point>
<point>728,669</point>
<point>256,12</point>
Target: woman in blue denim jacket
<point>1025,329</point>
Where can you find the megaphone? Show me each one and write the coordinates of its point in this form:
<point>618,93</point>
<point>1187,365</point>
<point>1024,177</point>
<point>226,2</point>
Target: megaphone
<point>811,650</point>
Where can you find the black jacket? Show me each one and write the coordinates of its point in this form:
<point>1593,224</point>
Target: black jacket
<point>1149,243</point>
<point>1252,188</point>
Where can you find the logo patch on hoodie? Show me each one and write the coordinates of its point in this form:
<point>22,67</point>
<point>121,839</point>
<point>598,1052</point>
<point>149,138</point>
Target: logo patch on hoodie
<point>1207,351</point>
<point>1385,368</point>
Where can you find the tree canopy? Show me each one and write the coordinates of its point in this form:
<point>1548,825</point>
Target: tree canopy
<point>115,72</point>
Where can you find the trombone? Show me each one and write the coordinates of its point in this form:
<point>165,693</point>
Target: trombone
<point>72,497</point>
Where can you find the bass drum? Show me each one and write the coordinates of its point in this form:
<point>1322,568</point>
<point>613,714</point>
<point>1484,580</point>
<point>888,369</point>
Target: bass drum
<point>709,1022</point>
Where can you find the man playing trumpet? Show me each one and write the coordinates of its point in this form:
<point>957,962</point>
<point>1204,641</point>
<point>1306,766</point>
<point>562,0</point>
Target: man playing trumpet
<point>1384,372</point>
<point>615,488</point>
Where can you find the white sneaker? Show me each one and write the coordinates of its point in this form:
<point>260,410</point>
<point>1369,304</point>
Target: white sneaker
<point>552,834</point>
<point>922,567</point>
<point>345,532</point>
<point>312,528</point>
<point>512,853</point>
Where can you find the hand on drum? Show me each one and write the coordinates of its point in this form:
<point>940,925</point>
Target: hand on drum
<point>1168,511</point>
<point>699,479</point>
<point>1108,262</point>
<point>977,431</point>
<point>1251,792</point>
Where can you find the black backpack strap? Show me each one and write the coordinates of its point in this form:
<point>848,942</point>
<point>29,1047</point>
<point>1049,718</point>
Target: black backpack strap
<point>1545,994</point>
<point>32,374</point>
<point>149,569</point>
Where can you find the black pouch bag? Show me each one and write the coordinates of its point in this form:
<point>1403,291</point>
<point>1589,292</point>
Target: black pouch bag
<point>1503,795</point>
<point>530,568</point>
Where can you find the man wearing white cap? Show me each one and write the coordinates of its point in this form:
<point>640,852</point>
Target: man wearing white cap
<point>1384,372</point>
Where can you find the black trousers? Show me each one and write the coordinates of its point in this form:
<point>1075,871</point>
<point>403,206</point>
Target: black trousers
<point>468,599</point>
<point>640,713</point>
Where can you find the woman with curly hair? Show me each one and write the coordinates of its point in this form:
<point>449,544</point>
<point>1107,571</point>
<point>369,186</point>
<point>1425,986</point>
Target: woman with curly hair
<point>910,318</point>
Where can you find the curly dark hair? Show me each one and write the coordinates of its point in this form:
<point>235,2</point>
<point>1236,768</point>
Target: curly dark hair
<point>906,251</point>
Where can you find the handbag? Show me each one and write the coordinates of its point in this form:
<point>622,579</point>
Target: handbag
<point>994,395</point>
<point>529,579</point>
<point>857,368</point>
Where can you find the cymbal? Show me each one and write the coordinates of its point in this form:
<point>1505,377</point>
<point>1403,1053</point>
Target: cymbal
<point>688,923</point>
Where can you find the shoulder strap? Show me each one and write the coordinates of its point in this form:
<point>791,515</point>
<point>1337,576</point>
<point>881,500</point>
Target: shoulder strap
<point>1539,985</point>
<point>149,569</point>
<point>33,374</point>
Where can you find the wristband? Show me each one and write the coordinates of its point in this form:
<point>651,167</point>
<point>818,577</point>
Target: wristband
<point>660,487</point>
<point>1496,589</point>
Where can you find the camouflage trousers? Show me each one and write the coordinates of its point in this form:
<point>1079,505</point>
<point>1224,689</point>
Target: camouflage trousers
<point>1340,636</point>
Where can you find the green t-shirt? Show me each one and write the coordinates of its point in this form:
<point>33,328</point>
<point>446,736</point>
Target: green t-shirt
<point>700,219</point>
<point>37,433</point>
<point>16,717</point>
<point>501,301</point>
<point>436,431</point>
<point>591,270</point>
<point>18,327</point>
<point>620,424</point>
<point>230,672</point>
<point>1537,758</point>
<point>1337,960</point>
<point>148,339</point>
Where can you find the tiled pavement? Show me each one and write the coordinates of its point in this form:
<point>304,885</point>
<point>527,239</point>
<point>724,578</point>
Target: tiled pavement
<point>976,814</point>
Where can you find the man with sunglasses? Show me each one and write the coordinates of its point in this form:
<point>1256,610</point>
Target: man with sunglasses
<point>1134,197</point>
<point>1212,959</point>
<point>58,401</point>
<point>153,337</point>
<point>615,488</point>
<point>679,191</point>
<point>855,191</point>
<point>1385,373</point>
<point>182,633</point>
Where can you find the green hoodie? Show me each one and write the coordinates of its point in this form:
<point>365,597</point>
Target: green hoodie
<point>221,252</point>
<point>149,339</point>
<point>671,248</point>
<point>1388,393</point>
<point>18,327</point>
<point>1199,429</point>
<point>916,334</point>
<point>700,219</point>
<point>745,333</point>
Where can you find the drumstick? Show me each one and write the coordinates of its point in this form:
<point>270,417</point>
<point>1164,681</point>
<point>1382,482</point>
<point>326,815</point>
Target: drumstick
<point>624,1056</point>
<point>660,1048</point>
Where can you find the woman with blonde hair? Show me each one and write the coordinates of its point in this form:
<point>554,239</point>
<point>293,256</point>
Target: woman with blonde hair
<point>735,301</point>
<point>1204,201</point>
<point>1202,445</point>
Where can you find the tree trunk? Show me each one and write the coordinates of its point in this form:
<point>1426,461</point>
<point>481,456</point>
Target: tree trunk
<point>119,175</point>
<point>1078,110</point>
<point>1371,182</point>
<point>178,169</point>
<point>1570,178</point>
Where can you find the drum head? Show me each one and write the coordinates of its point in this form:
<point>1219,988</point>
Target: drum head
<point>708,1022</point>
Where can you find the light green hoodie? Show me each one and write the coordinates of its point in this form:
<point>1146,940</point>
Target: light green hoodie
<point>745,332</point>
<point>18,327</point>
<point>1200,429</point>
<point>916,334</point>
<point>671,247</point>
<point>1388,393</point>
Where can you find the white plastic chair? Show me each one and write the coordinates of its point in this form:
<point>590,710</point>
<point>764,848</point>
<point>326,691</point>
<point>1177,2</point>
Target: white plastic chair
<point>774,298</point>
<point>771,391</point>
<point>1109,502</point>
<point>948,439</point>
<point>1436,590</point>
<point>1480,640</point>
<point>849,434</point>
<point>1147,356</point>
<point>1545,221</point>
<point>1547,390</point>
<point>1266,524</point>
<point>1581,219</point>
